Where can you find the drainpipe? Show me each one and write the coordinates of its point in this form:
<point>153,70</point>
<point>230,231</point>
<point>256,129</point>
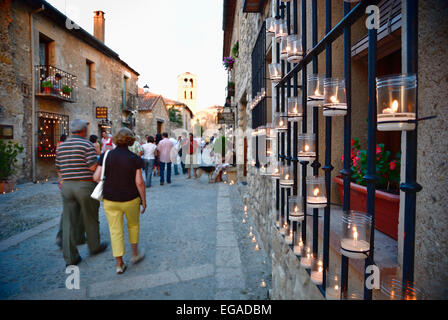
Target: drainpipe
<point>33,95</point>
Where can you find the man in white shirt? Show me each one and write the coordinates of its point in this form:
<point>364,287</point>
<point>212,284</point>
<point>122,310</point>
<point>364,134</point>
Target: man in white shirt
<point>148,159</point>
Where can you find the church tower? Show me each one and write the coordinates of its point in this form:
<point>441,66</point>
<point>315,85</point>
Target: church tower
<point>187,90</point>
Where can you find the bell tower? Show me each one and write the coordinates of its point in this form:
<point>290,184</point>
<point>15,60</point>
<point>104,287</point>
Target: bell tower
<point>187,90</point>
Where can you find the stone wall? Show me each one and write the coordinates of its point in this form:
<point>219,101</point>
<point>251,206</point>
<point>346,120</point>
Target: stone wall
<point>146,122</point>
<point>431,247</point>
<point>70,54</point>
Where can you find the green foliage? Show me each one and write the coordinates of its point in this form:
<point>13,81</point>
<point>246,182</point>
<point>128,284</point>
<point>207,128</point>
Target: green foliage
<point>175,115</point>
<point>66,89</point>
<point>47,84</point>
<point>231,85</point>
<point>235,50</point>
<point>8,158</point>
<point>387,168</point>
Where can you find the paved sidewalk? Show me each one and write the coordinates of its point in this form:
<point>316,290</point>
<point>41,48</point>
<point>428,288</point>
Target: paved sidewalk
<point>196,248</point>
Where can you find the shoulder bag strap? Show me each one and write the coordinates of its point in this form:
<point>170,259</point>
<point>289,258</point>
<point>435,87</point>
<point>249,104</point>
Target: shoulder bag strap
<point>103,169</point>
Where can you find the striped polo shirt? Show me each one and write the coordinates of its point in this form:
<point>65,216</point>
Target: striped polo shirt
<point>74,157</point>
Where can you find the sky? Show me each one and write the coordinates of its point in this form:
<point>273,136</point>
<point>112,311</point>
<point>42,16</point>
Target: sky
<point>161,39</point>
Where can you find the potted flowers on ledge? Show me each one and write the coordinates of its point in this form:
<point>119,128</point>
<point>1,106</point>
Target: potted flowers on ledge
<point>47,85</point>
<point>66,90</point>
<point>228,63</point>
<point>8,160</point>
<point>387,198</point>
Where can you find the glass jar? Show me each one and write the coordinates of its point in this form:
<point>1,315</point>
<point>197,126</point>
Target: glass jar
<point>317,270</point>
<point>275,72</point>
<point>394,289</point>
<point>335,100</point>
<point>296,208</point>
<point>298,244</point>
<point>316,192</point>
<point>396,100</point>
<point>306,257</point>
<point>280,121</point>
<point>286,176</point>
<point>275,173</point>
<point>270,26</point>
<point>295,53</point>
<point>333,289</point>
<point>281,30</point>
<point>315,88</point>
<point>295,110</point>
<point>284,48</point>
<point>306,147</point>
<point>355,240</point>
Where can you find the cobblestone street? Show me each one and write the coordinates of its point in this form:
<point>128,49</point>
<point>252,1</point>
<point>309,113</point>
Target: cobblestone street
<point>196,247</point>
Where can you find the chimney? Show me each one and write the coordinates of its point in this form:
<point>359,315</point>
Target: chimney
<point>99,27</point>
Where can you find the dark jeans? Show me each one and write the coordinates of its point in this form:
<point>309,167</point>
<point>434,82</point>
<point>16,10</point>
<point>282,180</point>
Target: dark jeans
<point>162,172</point>
<point>176,169</point>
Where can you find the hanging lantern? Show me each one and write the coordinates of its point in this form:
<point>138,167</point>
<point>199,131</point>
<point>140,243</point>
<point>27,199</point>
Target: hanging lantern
<point>284,48</point>
<point>307,147</point>
<point>270,26</point>
<point>281,30</point>
<point>396,100</point>
<point>295,111</point>
<point>306,257</point>
<point>335,100</point>
<point>275,72</point>
<point>296,208</point>
<point>333,290</point>
<point>316,192</point>
<point>295,52</point>
<point>280,121</point>
<point>317,270</point>
<point>315,88</point>
<point>355,241</point>
<point>286,176</point>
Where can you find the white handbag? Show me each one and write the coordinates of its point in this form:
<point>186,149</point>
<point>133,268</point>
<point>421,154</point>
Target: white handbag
<point>97,193</point>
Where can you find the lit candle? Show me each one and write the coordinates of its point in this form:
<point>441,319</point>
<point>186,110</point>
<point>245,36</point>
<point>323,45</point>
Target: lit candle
<point>288,238</point>
<point>333,293</point>
<point>256,247</point>
<point>316,200</point>
<point>298,248</point>
<point>317,275</point>
<point>305,261</point>
<point>354,248</point>
<point>243,221</point>
<point>254,239</point>
<point>263,283</point>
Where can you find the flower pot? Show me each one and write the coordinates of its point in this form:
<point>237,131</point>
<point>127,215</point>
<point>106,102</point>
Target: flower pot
<point>47,90</point>
<point>387,206</point>
<point>6,186</point>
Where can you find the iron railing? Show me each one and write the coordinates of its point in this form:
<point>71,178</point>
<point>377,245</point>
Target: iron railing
<point>287,146</point>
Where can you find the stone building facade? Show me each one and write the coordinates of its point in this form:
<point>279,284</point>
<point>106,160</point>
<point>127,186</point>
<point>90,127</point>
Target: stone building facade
<point>152,116</point>
<point>186,114</point>
<point>243,21</point>
<point>38,43</point>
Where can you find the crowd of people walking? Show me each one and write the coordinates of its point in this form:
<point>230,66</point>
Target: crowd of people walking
<point>126,166</point>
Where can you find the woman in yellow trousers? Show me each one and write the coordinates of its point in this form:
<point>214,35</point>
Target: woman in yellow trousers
<point>123,193</point>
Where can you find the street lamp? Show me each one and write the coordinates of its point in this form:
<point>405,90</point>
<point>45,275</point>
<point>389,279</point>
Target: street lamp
<point>146,88</point>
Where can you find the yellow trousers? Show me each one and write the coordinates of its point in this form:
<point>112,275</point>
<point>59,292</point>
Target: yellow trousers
<point>114,213</point>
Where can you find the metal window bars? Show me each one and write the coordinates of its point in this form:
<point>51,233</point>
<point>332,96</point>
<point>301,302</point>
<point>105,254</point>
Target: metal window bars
<point>288,141</point>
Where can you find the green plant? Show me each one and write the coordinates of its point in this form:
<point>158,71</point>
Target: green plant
<point>235,49</point>
<point>387,168</point>
<point>47,84</point>
<point>8,158</point>
<point>231,85</point>
<point>175,115</point>
<point>66,89</point>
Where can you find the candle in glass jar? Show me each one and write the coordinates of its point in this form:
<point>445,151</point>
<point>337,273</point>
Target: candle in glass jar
<point>333,293</point>
<point>305,261</point>
<point>317,273</point>
<point>391,116</point>
<point>354,248</point>
<point>298,248</point>
<point>306,154</point>
<point>288,238</point>
<point>316,200</point>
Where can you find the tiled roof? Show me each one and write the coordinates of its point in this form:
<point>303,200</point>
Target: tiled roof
<point>147,101</point>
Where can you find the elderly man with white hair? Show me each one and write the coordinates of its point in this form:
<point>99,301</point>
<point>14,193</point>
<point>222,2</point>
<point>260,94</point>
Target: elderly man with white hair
<point>76,162</point>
